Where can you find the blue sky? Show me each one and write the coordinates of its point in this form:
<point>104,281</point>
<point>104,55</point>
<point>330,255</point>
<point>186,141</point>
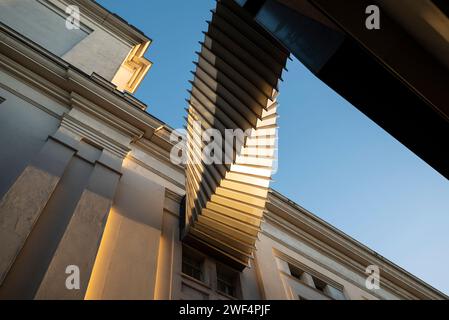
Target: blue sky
<point>333,160</point>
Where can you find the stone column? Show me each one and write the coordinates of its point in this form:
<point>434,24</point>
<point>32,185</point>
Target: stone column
<point>25,200</point>
<point>127,261</point>
<point>167,257</point>
<point>272,287</point>
<point>81,239</point>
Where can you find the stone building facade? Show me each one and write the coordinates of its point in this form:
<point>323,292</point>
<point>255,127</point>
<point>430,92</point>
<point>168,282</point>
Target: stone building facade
<point>87,181</point>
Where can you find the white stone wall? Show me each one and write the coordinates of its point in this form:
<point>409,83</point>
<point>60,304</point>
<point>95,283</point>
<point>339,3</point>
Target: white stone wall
<point>77,190</point>
<point>24,127</point>
<point>277,245</point>
<point>91,48</point>
<point>42,22</point>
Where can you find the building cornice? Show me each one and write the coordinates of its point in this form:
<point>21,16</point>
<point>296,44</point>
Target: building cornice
<point>303,224</point>
<point>139,64</point>
<point>110,20</point>
<point>58,79</point>
<point>135,62</point>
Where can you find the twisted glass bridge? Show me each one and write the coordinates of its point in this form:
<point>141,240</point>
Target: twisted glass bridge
<point>235,87</point>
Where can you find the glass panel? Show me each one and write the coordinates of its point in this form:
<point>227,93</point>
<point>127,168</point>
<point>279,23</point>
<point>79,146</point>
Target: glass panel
<point>225,288</point>
<point>227,280</point>
<point>312,42</point>
<point>192,265</point>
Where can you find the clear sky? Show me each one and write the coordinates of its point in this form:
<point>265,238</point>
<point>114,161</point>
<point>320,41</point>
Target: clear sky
<point>333,160</point>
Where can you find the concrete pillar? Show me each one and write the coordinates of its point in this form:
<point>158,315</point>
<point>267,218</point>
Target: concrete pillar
<point>270,280</point>
<point>127,261</point>
<point>25,200</point>
<point>47,232</point>
<point>249,283</point>
<point>283,266</point>
<point>81,240</point>
<point>167,258</point>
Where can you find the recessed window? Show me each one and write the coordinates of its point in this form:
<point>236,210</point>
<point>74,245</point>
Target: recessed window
<point>295,272</point>
<point>192,263</point>
<point>227,280</point>
<point>314,280</point>
<point>219,281</point>
<point>319,284</point>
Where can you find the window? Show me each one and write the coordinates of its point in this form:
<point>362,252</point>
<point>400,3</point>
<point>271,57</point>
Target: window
<point>319,284</point>
<point>309,279</point>
<point>203,277</point>
<point>192,263</point>
<point>314,47</point>
<point>227,280</point>
<point>2,100</point>
<point>295,272</point>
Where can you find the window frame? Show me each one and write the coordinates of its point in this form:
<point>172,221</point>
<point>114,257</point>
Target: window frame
<point>192,255</point>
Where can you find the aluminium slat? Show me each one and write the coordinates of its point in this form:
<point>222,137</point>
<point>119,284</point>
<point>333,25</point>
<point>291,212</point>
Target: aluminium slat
<point>238,65</point>
<point>259,172</point>
<point>235,239</point>
<point>219,169</point>
<point>254,180</point>
<point>212,175</point>
<point>215,91</point>
<point>248,31</point>
<point>211,120</point>
<point>236,118</point>
<point>236,194</point>
<point>232,222</point>
<point>218,243</point>
<point>232,87</point>
<point>225,106</point>
<point>231,230</point>
<point>243,40</point>
<point>244,55</point>
<point>245,187</point>
<point>237,205</point>
<point>242,261</point>
<point>236,9</point>
<point>216,69</point>
<point>221,65</point>
<point>247,218</point>
<point>198,98</point>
